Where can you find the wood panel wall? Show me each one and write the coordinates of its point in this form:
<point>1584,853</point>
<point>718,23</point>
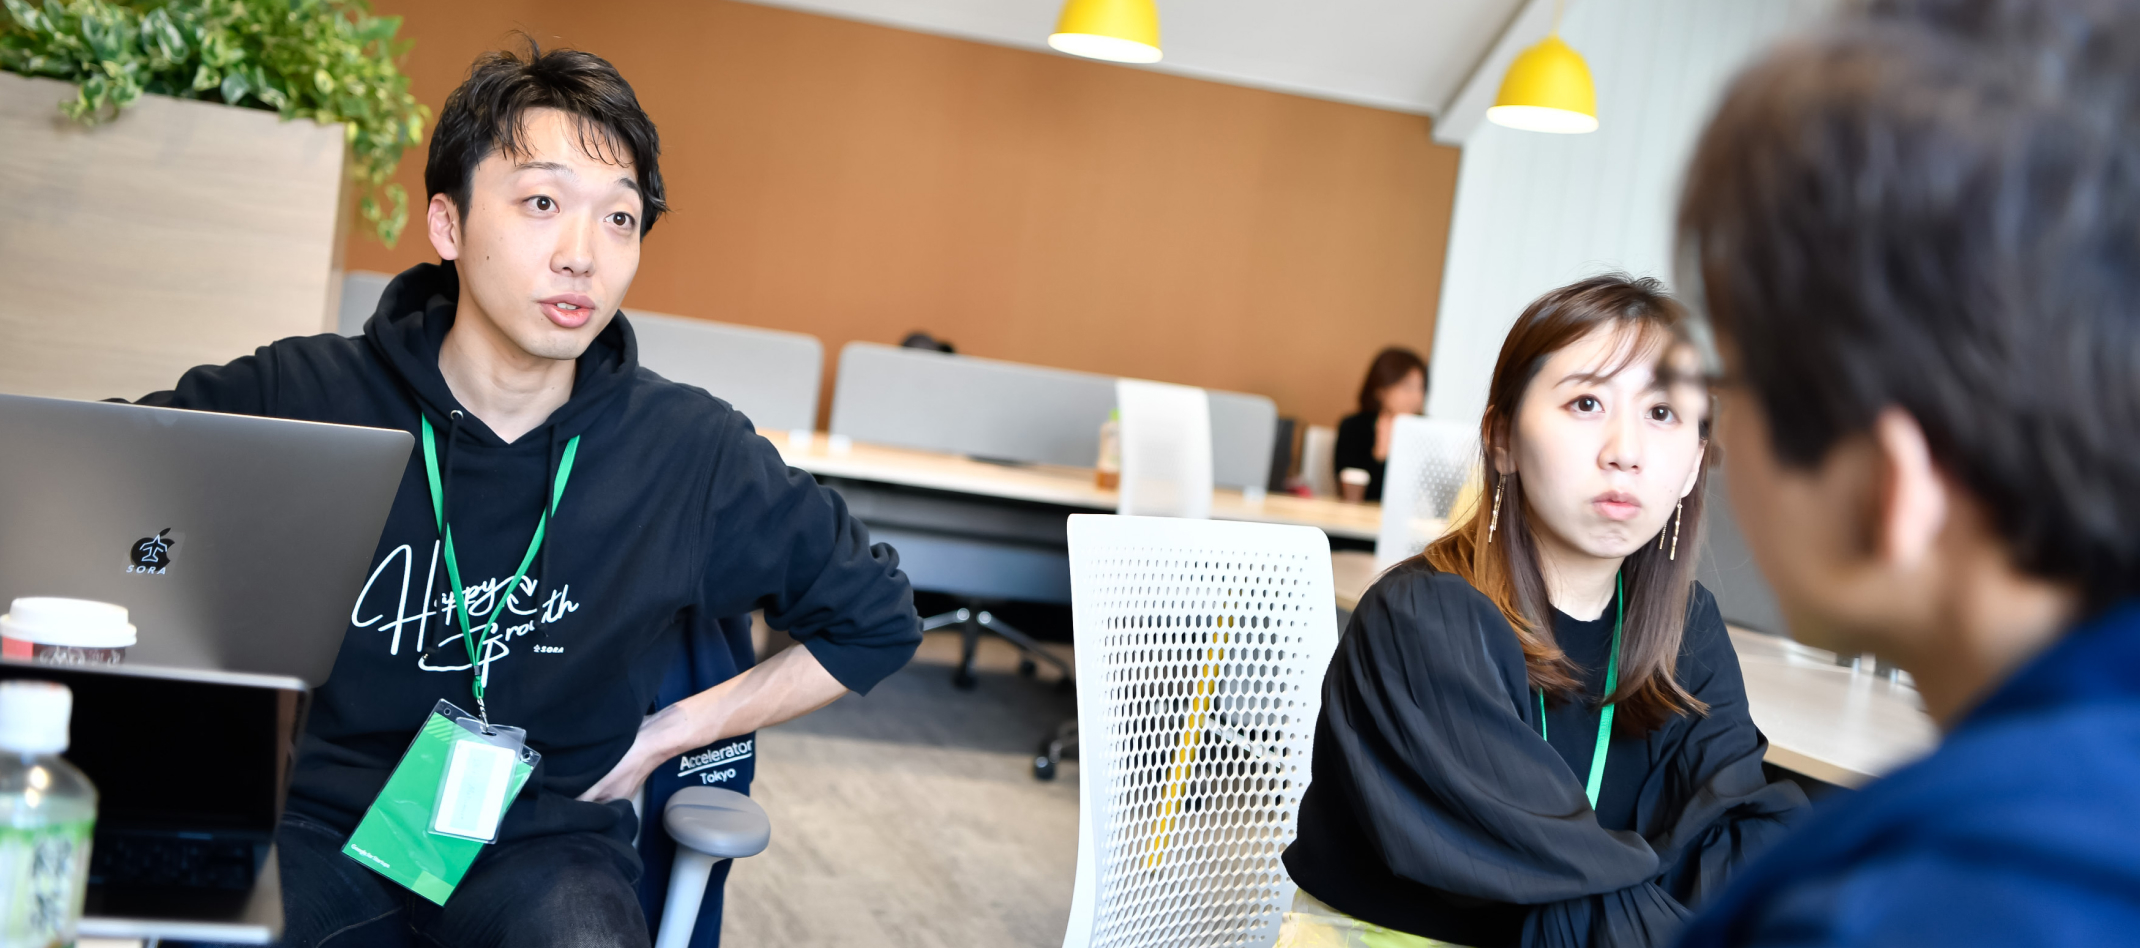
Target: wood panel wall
<point>179,233</point>
<point>858,182</point>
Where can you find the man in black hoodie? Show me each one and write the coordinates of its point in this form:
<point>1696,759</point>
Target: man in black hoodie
<point>665,513</point>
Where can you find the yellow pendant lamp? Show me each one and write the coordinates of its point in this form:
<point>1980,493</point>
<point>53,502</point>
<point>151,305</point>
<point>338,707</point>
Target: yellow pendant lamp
<point>1547,89</point>
<point>1122,31</point>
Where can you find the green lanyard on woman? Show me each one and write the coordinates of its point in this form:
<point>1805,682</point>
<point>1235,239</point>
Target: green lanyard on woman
<point>1612,681</point>
<point>453,565</point>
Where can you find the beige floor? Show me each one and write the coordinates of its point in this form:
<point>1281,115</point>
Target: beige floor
<point>910,817</point>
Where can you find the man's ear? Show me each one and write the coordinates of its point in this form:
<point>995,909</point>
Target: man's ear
<point>1913,496</point>
<point>1701,454</point>
<point>442,223</point>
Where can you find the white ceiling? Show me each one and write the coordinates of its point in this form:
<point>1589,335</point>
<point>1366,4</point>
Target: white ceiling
<point>1409,55</point>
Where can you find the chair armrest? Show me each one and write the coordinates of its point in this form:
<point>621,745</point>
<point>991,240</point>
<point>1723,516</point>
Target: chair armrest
<point>720,823</point>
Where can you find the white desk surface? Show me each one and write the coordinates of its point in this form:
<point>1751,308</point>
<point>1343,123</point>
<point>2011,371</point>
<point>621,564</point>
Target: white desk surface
<point>1051,484</point>
<point>1822,719</point>
<point>1826,721</point>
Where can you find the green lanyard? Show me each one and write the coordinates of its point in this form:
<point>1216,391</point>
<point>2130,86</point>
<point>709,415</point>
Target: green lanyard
<point>1612,681</point>
<point>453,566</point>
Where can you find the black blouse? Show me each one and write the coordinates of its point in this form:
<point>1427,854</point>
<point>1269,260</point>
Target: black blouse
<point>1356,448</point>
<point>1436,809</point>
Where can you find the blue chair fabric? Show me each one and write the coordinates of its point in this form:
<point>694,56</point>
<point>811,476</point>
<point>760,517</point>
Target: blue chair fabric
<point>706,655</point>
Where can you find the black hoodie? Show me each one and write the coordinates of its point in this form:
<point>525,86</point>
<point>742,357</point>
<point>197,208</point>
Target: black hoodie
<point>675,515</point>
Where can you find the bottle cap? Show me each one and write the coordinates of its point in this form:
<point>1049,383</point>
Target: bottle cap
<point>77,623</point>
<point>33,716</point>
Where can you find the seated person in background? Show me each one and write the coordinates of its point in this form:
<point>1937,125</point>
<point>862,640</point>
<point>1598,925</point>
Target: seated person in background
<point>1535,732</point>
<point>921,340</point>
<point>1919,233</point>
<point>1396,384</point>
<point>520,378</point>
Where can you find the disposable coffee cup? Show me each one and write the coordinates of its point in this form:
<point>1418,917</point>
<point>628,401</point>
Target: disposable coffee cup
<point>63,631</point>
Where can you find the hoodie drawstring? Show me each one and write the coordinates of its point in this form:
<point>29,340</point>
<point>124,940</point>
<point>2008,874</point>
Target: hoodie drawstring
<point>453,437</point>
<point>458,590</point>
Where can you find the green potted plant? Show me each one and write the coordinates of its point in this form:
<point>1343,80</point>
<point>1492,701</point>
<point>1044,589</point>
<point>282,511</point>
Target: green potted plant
<point>330,61</point>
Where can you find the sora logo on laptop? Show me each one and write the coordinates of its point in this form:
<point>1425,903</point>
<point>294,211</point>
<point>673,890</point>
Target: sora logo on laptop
<point>151,554</point>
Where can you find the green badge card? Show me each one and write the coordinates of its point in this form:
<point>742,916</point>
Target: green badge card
<point>442,804</point>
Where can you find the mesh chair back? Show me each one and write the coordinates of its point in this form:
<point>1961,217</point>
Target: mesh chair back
<point>1201,647</point>
<point>1166,449</point>
<point>1429,462</point>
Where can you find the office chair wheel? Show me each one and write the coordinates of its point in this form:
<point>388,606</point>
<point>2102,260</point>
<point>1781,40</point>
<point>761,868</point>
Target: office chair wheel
<point>1045,763</point>
<point>964,680</point>
<point>1026,668</point>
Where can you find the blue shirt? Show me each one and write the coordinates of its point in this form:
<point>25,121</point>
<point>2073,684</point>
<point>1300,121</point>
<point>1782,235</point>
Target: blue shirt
<point>2023,828</point>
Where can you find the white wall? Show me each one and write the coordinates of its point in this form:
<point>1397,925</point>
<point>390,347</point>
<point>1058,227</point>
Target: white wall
<point>1536,211</point>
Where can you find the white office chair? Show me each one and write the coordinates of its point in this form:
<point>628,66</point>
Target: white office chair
<point>1430,462</point>
<point>1166,450</point>
<point>1318,460</point>
<point>361,290</point>
<point>1201,647</point>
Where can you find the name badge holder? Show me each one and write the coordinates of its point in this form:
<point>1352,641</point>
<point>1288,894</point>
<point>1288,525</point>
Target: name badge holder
<point>444,801</point>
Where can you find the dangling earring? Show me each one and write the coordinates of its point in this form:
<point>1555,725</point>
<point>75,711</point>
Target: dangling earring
<point>1495,523</point>
<point>1679,513</point>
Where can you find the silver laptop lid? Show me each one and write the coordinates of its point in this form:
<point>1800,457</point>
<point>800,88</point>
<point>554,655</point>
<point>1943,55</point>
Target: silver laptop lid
<point>236,543</point>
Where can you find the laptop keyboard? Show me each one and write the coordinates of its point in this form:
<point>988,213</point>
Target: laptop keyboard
<point>141,860</point>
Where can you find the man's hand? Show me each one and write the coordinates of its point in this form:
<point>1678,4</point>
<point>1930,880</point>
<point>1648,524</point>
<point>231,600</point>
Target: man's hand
<point>786,686</point>
<point>659,732</point>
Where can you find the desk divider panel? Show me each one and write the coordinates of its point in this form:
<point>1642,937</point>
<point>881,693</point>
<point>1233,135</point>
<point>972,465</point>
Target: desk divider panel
<point>770,376</point>
<point>1010,411</point>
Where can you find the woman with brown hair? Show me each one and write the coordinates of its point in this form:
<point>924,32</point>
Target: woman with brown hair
<point>1535,731</point>
<point>1396,384</point>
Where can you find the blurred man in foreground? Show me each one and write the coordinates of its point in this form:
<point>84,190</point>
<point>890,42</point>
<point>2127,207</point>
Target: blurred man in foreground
<point>1919,236</point>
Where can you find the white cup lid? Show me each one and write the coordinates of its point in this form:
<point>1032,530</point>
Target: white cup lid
<point>78,623</point>
<point>1354,475</point>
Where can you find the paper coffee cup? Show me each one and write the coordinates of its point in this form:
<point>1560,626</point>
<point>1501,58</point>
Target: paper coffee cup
<point>65,631</point>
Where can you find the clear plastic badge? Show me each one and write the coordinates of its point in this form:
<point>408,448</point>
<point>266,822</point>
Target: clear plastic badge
<point>443,802</point>
<point>477,781</point>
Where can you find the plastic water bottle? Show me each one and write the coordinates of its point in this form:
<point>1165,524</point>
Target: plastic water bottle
<point>1107,472</point>
<point>47,809</point>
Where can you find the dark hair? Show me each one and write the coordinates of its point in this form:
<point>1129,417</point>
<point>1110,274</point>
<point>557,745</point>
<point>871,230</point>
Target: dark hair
<point>1390,367</point>
<point>1506,567</point>
<point>1936,206</point>
<point>487,115</point>
<point>922,340</point>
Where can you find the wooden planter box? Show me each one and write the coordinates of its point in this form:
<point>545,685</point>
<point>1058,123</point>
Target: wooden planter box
<point>181,233</point>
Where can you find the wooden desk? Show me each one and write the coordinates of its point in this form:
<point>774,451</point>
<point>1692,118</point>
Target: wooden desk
<point>1051,484</point>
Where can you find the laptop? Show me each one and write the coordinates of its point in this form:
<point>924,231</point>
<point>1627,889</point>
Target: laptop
<point>190,769</point>
<point>235,543</point>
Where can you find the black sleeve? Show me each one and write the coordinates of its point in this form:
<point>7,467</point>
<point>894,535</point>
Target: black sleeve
<point>782,543</point>
<point>1728,811</point>
<point>241,387</point>
<point>1355,445</point>
<point>1451,781</point>
<point>1443,768</point>
<point>1709,810</point>
<point>310,378</point>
